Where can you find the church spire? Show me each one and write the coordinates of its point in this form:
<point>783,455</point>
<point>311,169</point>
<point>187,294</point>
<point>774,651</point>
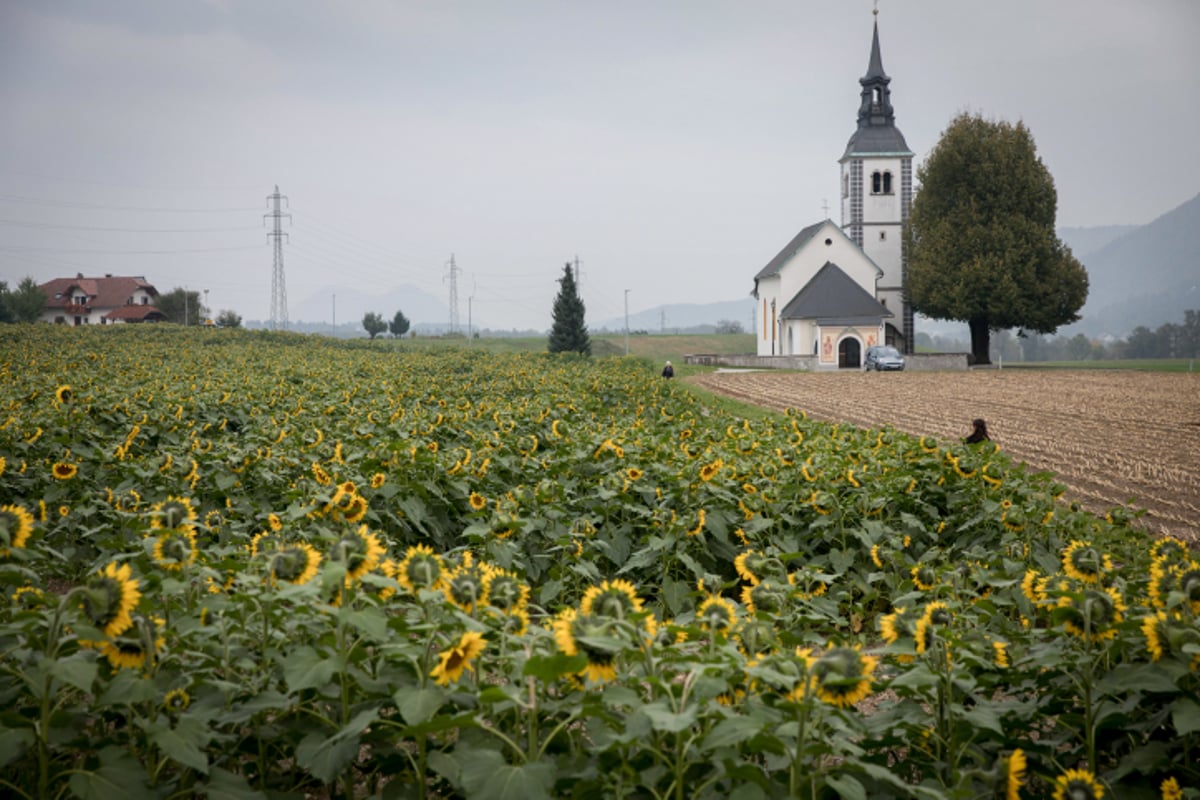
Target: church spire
<point>876,131</point>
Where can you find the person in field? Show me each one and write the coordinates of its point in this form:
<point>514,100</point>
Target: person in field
<point>668,371</point>
<point>979,434</point>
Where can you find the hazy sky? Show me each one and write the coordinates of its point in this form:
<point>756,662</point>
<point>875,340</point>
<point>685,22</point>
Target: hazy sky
<point>673,146</point>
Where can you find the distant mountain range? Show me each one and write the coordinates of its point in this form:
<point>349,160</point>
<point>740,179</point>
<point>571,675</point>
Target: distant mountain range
<point>1140,275</point>
<point>1144,275</point>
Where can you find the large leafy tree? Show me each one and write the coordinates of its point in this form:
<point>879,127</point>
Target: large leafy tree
<point>229,319</point>
<point>23,304</point>
<point>399,324</point>
<point>182,306</point>
<point>569,333</point>
<point>981,241</point>
<point>374,324</point>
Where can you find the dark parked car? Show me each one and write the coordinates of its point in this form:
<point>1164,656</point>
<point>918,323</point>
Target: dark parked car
<point>881,357</point>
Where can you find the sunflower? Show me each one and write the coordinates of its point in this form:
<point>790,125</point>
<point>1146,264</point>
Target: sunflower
<point>132,652</point>
<point>591,637</point>
<point>1093,613</point>
<point>1170,789</point>
<point>615,599</point>
<point>1000,655</point>
<point>477,501</point>
<point>452,661</point>
<point>16,524</point>
<point>506,591</point>
<point>320,475</point>
<point>700,519</point>
<point>716,613</point>
<point>29,597</point>
<point>765,597</point>
<point>633,473</point>
<point>750,565</point>
<point>359,550</point>
<point>923,577</point>
<point>1154,628</point>
<point>355,509</point>
<point>1030,587</point>
<point>377,480</point>
<point>176,700</point>
<point>274,522</point>
<point>63,394</point>
<point>892,626</point>
<point>710,470</point>
<point>174,512</point>
<point>1084,563</point>
<point>175,549</point>
<point>1077,784</point>
<point>875,559</point>
<point>63,471</point>
<point>109,598</point>
<point>1015,771</point>
<point>843,675</point>
<point>466,587</point>
<point>295,563</point>
<point>1167,548</point>
<point>421,569</point>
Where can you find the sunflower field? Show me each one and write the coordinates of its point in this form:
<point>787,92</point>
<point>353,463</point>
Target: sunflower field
<point>238,564</point>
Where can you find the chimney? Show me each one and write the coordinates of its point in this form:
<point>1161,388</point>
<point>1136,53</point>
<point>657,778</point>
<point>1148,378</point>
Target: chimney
<point>108,274</point>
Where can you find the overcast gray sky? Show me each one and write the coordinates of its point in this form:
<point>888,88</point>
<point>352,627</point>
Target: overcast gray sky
<point>673,146</point>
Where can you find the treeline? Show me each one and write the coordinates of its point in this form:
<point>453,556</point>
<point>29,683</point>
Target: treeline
<point>1170,340</point>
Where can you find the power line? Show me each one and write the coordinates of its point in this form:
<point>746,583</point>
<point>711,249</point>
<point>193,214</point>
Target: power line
<point>107,229</point>
<point>18,249</point>
<point>12,198</point>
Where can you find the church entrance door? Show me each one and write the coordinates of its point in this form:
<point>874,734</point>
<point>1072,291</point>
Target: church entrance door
<point>849,353</point>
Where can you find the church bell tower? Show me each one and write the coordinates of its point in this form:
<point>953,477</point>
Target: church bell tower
<point>877,194</point>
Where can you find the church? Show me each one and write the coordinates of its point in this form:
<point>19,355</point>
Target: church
<point>835,290</point>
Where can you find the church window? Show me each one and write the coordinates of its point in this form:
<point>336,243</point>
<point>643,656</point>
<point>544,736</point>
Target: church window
<point>876,182</point>
<point>828,242</point>
<point>845,185</point>
<point>883,236</point>
<point>878,96</point>
<point>887,183</point>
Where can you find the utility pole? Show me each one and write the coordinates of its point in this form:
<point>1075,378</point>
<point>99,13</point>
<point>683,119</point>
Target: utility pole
<point>279,312</point>
<point>206,309</point>
<point>577,283</point>
<point>185,306</point>
<point>453,278</point>
<point>626,322</point>
<point>662,320</point>
<point>334,331</point>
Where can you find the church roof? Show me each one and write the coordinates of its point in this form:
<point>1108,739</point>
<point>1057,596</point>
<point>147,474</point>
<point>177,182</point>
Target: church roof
<point>833,295</point>
<point>792,247</point>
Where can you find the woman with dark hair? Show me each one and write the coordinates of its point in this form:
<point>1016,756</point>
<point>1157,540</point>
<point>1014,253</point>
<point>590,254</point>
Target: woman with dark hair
<point>980,433</point>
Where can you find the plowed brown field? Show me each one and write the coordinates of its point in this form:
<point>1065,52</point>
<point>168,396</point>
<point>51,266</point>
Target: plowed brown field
<point>1113,437</point>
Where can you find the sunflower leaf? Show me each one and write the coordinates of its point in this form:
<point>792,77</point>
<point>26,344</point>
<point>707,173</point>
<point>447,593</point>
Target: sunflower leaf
<point>418,704</point>
<point>550,668</point>
<point>305,668</point>
<point>225,785</point>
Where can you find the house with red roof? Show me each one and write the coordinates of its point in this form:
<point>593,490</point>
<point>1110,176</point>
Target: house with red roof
<point>100,301</point>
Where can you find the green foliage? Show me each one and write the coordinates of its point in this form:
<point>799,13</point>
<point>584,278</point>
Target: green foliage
<point>374,324</point>
<point>623,590</point>
<point>568,333</point>
<point>981,238</point>
<point>399,325</point>
<point>229,319</point>
<point>23,304</point>
<point>182,306</point>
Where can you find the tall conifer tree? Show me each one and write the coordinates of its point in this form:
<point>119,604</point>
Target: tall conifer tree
<point>569,333</point>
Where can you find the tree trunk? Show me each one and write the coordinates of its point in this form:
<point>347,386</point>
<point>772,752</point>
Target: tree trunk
<point>980,341</point>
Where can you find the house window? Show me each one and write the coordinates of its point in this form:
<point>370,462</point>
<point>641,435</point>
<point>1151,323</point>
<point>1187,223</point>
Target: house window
<point>145,300</point>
